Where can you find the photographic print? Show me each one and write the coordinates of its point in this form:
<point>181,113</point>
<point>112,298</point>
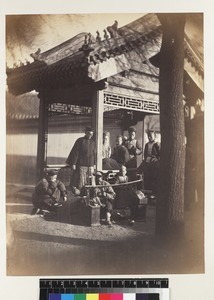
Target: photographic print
<point>105,144</point>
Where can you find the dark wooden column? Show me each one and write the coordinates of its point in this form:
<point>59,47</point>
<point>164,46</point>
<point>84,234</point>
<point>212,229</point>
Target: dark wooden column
<point>97,124</point>
<point>42,137</point>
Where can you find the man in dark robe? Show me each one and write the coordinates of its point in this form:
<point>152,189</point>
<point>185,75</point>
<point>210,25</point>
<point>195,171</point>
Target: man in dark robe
<point>82,159</point>
<point>134,148</point>
<point>119,157</point>
<point>150,164</point>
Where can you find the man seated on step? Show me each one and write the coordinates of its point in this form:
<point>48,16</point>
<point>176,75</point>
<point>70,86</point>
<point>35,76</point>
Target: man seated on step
<point>105,195</point>
<point>49,193</point>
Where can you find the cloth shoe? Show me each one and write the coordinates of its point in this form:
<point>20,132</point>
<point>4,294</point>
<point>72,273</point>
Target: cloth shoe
<point>131,222</point>
<point>35,211</point>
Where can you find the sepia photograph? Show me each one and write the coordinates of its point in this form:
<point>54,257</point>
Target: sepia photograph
<point>105,144</point>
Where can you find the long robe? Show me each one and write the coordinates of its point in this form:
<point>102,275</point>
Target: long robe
<point>150,166</point>
<point>118,158</point>
<point>134,148</point>
<point>83,155</point>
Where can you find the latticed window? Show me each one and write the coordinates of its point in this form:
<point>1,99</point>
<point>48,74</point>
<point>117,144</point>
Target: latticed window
<point>120,101</point>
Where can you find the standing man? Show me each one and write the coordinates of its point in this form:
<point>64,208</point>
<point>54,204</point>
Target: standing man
<point>152,148</point>
<point>106,150</point>
<point>150,164</point>
<point>134,148</point>
<point>119,157</point>
<point>82,158</point>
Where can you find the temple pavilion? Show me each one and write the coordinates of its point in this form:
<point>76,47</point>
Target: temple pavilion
<point>116,74</point>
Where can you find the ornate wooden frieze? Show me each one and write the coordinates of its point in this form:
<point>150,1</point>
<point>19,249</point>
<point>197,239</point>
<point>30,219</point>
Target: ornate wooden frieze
<point>63,108</point>
<point>125,102</point>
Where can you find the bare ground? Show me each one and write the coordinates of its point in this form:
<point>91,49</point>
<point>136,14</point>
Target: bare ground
<point>39,247</point>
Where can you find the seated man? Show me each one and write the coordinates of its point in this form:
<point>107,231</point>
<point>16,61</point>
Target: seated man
<point>119,157</point>
<point>105,195</point>
<point>126,194</point>
<point>48,193</point>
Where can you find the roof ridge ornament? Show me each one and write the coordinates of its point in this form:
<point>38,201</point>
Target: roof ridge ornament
<point>106,34</point>
<point>21,64</point>
<point>89,38</point>
<point>98,37</point>
<point>37,55</point>
<point>113,30</point>
<point>86,47</point>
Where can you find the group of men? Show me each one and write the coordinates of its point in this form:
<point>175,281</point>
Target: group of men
<point>82,161</point>
<point>124,153</point>
<point>82,157</point>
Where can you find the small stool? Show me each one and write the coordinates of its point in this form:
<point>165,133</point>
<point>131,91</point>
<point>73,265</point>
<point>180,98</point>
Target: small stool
<point>92,215</point>
<point>141,210</point>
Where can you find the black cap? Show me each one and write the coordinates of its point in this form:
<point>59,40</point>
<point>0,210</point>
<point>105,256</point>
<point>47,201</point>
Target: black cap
<point>98,174</point>
<point>89,129</point>
<point>132,129</point>
<point>52,172</point>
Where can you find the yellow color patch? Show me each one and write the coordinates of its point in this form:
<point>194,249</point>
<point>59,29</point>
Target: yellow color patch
<point>92,296</point>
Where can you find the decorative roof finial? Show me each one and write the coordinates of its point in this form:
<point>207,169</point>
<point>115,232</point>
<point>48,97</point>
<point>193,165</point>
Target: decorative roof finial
<point>105,34</point>
<point>36,55</point>
<point>86,47</point>
<point>113,30</point>
<point>89,38</point>
<point>98,37</point>
<point>21,64</point>
<point>85,41</point>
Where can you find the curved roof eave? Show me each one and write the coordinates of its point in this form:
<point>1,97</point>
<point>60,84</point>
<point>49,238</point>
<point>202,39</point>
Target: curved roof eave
<point>79,60</point>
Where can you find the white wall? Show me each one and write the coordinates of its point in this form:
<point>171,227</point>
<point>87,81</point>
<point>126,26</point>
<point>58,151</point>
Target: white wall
<point>22,144</point>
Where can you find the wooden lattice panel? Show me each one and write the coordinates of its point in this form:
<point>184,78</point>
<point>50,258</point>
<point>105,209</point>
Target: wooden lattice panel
<point>63,108</point>
<point>121,101</point>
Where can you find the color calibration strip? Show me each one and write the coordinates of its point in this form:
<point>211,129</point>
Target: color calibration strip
<point>109,296</point>
<point>104,289</point>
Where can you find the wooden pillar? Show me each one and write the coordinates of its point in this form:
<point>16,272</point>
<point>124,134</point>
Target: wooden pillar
<point>143,137</point>
<point>97,124</point>
<point>42,138</point>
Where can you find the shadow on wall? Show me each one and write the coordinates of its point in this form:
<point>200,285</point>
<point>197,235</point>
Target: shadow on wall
<point>21,169</point>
